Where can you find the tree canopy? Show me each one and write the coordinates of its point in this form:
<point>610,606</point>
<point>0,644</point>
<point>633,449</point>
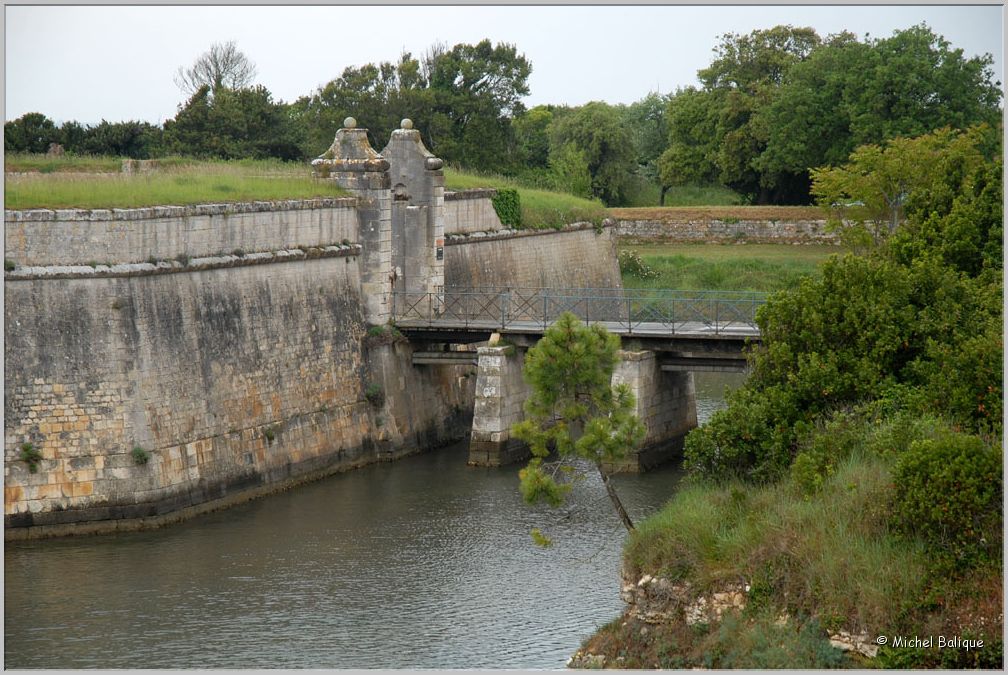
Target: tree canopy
<point>574,410</point>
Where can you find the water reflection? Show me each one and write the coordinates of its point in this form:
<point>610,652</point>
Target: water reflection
<point>422,563</point>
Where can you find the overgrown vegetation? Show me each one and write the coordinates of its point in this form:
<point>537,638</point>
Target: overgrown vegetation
<point>31,456</point>
<point>374,394</point>
<point>179,182</point>
<point>855,481</point>
<point>540,209</point>
<point>140,456</point>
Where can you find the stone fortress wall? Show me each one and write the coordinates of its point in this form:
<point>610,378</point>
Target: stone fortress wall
<point>227,346</point>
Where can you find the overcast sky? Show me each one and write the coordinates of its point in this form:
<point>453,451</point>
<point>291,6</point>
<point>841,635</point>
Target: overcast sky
<point>117,63</point>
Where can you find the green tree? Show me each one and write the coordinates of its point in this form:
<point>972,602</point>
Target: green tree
<point>232,124</point>
<point>531,129</point>
<point>32,132</point>
<point>691,155</point>
<point>849,93</point>
<point>138,140</point>
<point>378,96</point>
<point>874,190</point>
<point>568,171</point>
<point>574,410</point>
<point>476,91</point>
<point>597,130</point>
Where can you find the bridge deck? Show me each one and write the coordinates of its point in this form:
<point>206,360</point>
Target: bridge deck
<point>685,329</point>
<point>654,314</point>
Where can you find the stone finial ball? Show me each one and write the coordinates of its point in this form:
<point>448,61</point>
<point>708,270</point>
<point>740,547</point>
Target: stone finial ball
<point>349,123</point>
<point>406,123</point>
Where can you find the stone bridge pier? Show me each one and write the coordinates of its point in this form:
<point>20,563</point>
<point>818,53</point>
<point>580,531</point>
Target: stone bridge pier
<point>665,403</point>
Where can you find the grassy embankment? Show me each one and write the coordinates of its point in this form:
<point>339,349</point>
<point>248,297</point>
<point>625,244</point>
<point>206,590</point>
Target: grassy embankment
<point>97,182</point>
<point>816,560</point>
<point>753,267</point>
<point>541,209</point>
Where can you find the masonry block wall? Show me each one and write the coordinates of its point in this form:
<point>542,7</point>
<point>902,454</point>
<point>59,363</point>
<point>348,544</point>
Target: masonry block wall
<point>578,256</point>
<point>234,375</point>
<point>82,236</point>
<point>468,211</point>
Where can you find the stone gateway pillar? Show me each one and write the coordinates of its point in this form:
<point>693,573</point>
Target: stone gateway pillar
<point>353,164</point>
<point>417,180</point>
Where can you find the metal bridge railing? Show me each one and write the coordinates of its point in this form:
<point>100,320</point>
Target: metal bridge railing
<point>628,310</point>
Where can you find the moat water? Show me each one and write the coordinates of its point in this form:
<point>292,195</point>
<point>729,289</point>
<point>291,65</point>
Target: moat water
<point>420,563</point>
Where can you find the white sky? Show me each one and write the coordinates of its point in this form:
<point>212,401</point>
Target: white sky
<point>117,62</point>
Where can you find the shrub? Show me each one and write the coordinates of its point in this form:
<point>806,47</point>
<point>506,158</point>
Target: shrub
<point>31,456</point>
<point>140,456</point>
<point>183,259</point>
<point>507,204</point>
<point>374,394</point>
<point>8,265</point>
<point>948,491</point>
<point>630,262</point>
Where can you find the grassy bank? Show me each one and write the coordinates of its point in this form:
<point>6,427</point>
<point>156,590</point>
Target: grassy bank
<point>541,209</point>
<point>817,558</point>
<point>84,183</point>
<point>750,267</point>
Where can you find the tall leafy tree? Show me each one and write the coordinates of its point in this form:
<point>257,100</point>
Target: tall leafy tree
<point>378,96</point>
<point>574,409</point>
<point>597,130</point>
<point>476,89</point>
<point>850,93</point>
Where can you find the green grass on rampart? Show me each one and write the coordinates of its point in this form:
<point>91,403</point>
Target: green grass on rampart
<point>91,182</point>
<point>728,267</point>
<point>541,209</point>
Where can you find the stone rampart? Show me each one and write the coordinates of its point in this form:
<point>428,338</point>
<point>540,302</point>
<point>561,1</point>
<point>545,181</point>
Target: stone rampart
<point>229,381</point>
<point>102,236</point>
<point>727,230</point>
<point>577,256</point>
<point>468,211</point>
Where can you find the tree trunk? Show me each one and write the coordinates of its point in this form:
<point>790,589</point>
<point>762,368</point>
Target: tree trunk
<point>661,199</point>
<point>617,504</point>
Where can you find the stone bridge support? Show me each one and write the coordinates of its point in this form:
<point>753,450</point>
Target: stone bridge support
<point>665,402</point>
<point>500,394</point>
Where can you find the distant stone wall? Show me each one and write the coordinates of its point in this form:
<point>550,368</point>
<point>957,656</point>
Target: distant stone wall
<point>78,236</point>
<point>578,256</point>
<point>468,211</point>
<point>723,231</point>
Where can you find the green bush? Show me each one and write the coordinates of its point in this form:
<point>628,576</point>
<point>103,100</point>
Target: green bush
<point>948,491</point>
<point>507,204</point>
<point>630,262</point>
<point>9,265</point>
<point>140,456</point>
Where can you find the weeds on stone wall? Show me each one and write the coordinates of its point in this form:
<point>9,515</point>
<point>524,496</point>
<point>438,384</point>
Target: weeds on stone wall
<point>31,456</point>
<point>377,336</point>
<point>8,265</point>
<point>374,394</point>
<point>140,456</point>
